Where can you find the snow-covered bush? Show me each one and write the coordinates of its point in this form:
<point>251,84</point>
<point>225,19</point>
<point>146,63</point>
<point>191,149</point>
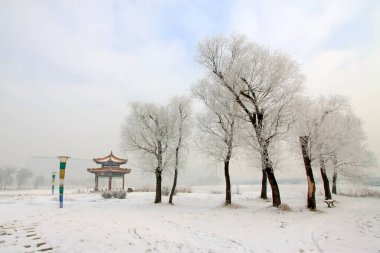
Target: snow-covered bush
<point>107,195</point>
<point>165,191</point>
<point>120,194</point>
<point>114,194</point>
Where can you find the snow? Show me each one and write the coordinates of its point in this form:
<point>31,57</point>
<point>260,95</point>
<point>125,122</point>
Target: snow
<point>198,222</point>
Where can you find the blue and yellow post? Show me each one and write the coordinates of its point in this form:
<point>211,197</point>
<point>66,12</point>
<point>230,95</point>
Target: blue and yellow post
<point>62,166</point>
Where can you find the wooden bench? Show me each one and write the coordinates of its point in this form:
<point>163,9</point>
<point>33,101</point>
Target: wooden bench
<point>330,203</point>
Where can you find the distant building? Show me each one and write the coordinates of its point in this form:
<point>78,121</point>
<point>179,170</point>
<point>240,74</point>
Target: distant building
<point>110,168</point>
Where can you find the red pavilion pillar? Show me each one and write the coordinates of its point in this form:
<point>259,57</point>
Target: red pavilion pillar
<point>110,183</point>
<point>123,182</point>
<point>96,182</point>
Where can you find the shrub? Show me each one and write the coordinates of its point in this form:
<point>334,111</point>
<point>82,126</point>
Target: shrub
<point>165,191</point>
<point>114,194</point>
<point>107,195</point>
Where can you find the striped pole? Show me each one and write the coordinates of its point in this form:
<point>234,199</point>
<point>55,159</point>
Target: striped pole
<point>52,182</point>
<point>62,166</point>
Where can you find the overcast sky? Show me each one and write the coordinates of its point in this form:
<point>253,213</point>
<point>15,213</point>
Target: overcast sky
<point>68,69</point>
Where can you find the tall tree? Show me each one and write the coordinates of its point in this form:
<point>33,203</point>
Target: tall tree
<point>262,83</point>
<point>149,131</point>
<point>218,126</point>
<point>180,109</point>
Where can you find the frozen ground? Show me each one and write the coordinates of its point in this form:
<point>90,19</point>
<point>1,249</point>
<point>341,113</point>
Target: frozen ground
<point>198,222</point>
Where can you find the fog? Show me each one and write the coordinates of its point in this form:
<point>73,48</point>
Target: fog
<point>68,71</point>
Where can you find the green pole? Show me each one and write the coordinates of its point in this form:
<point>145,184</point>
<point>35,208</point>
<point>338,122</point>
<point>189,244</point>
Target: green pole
<point>52,183</point>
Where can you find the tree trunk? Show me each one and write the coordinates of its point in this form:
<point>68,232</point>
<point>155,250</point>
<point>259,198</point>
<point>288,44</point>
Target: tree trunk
<point>309,173</point>
<point>326,183</point>
<point>276,198</point>
<point>228,182</point>
<point>264,185</point>
<point>176,164</point>
<point>335,178</point>
<point>158,173</point>
<point>174,186</point>
<point>158,187</point>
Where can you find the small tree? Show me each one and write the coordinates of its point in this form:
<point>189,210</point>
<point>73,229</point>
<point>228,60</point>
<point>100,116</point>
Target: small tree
<point>349,153</point>
<point>149,131</point>
<point>22,176</point>
<point>218,126</point>
<point>180,109</point>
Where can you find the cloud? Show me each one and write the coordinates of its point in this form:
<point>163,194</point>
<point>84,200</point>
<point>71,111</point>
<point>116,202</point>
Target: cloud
<point>296,27</point>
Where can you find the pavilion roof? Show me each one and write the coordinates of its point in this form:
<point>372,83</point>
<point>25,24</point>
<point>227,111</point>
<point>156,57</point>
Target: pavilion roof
<point>109,169</point>
<point>110,158</point>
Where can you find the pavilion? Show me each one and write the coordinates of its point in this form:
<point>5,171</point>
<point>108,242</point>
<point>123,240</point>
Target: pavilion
<point>110,167</point>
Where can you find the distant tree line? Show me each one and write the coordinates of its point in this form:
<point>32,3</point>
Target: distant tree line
<point>20,178</point>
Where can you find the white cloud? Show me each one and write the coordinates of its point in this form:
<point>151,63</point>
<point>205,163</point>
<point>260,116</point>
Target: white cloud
<point>296,27</point>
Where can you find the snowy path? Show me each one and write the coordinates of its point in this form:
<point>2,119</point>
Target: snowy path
<point>198,222</point>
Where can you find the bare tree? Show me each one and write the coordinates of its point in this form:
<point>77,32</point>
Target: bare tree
<point>314,130</point>
<point>22,176</point>
<point>349,154</point>
<point>149,131</point>
<point>217,126</point>
<point>180,109</point>
<point>335,137</point>
<point>262,83</point>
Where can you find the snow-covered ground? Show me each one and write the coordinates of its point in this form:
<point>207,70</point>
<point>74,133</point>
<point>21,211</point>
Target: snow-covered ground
<point>198,222</point>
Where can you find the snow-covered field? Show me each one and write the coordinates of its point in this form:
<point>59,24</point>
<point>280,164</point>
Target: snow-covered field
<point>198,222</point>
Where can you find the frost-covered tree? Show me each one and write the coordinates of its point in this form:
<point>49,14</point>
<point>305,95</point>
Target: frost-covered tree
<point>332,131</point>
<point>22,176</point>
<point>149,131</point>
<point>348,150</point>
<point>218,125</point>
<point>263,83</point>
<point>180,109</point>
<point>314,129</point>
